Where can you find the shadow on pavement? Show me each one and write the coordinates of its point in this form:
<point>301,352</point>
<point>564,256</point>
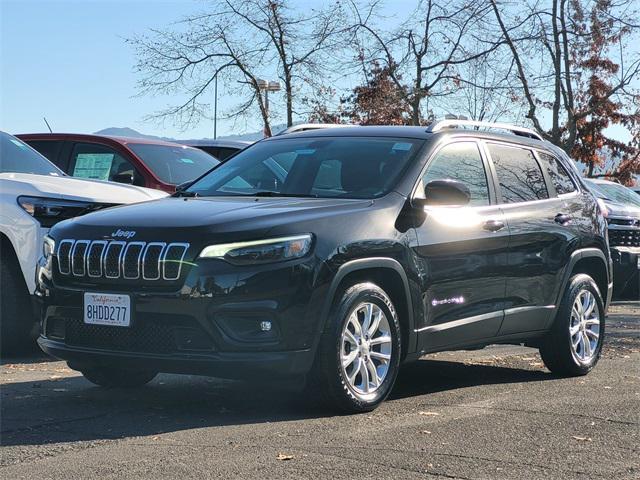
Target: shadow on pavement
<point>431,376</point>
<point>27,358</point>
<point>71,409</point>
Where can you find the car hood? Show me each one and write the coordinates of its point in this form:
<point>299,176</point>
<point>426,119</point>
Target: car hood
<point>70,188</point>
<point>621,210</point>
<point>188,218</point>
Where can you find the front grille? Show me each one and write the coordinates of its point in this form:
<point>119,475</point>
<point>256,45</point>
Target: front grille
<point>146,335</point>
<point>627,222</point>
<point>121,260</point>
<point>624,238</point>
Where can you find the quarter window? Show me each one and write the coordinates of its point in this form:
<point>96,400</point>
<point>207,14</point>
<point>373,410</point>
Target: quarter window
<point>460,161</point>
<point>48,148</point>
<point>519,174</point>
<point>559,177</point>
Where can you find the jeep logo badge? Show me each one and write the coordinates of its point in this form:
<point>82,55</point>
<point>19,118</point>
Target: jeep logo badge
<point>119,233</point>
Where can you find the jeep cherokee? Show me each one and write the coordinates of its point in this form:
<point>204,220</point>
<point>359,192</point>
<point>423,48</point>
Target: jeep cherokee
<point>335,256</point>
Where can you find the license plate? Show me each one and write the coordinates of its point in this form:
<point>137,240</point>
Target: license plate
<point>107,309</point>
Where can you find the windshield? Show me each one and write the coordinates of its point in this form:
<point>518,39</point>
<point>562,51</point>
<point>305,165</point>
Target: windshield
<point>18,157</point>
<point>344,167</point>
<point>615,193</point>
<point>174,164</point>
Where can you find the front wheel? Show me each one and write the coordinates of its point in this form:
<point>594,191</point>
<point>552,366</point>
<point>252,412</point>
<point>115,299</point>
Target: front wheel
<point>116,377</point>
<point>574,344</point>
<point>359,354</point>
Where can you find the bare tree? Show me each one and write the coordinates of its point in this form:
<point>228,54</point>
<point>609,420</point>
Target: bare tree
<point>426,49</point>
<point>549,49</point>
<point>237,42</point>
<point>485,92</point>
<point>298,40</point>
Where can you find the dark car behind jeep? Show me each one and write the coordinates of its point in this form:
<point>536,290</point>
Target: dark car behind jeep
<point>621,208</point>
<point>334,256</point>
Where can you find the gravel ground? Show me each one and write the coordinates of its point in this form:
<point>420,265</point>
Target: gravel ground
<point>494,413</point>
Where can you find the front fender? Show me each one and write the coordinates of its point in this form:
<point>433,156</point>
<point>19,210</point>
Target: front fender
<point>377,263</point>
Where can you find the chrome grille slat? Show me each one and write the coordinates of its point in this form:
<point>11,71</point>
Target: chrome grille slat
<point>64,256</point>
<point>128,262</point>
<point>94,258</point>
<point>172,261</point>
<point>78,257</point>
<point>150,263</point>
<point>115,259</point>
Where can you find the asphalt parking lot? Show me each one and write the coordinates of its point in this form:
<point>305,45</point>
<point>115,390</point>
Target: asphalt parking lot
<point>494,413</point>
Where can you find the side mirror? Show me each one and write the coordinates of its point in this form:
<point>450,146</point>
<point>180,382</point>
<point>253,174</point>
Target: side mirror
<point>123,178</point>
<point>446,193</point>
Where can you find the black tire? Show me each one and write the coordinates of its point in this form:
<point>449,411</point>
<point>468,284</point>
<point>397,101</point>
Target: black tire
<point>110,377</point>
<point>16,314</point>
<point>327,381</point>
<point>556,349</point>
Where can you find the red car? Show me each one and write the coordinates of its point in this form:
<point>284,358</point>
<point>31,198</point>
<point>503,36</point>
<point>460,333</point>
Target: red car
<point>137,161</point>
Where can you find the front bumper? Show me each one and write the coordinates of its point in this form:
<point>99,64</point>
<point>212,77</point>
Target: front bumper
<point>626,273</point>
<point>238,365</point>
<point>212,325</point>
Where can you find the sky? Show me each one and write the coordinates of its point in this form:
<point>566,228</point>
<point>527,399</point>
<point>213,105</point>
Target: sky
<point>67,60</point>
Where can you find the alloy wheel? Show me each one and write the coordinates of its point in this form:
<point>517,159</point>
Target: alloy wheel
<point>366,348</point>
<point>584,327</point>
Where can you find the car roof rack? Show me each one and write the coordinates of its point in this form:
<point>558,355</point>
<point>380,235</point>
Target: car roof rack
<point>454,123</point>
<point>303,127</point>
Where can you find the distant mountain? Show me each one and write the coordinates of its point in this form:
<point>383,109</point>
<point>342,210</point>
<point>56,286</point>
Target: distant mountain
<point>130,132</point>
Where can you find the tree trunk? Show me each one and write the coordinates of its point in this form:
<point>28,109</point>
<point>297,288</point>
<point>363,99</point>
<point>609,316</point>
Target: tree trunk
<point>264,113</point>
<point>415,111</point>
<point>288,87</point>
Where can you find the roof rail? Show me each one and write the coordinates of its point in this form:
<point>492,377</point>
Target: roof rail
<point>303,127</point>
<point>450,123</point>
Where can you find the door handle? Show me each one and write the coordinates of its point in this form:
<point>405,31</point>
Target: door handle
<point>493,225</point>
<point>562,218</point>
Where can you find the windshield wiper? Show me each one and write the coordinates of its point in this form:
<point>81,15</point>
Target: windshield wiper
<point>268,193</point>
<point>184,193</point>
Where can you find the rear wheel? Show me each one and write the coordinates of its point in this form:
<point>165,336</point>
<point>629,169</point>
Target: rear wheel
<point>574,344</point>
<point>16,317</point>
<point>359,355</point>
<point>111,377</point>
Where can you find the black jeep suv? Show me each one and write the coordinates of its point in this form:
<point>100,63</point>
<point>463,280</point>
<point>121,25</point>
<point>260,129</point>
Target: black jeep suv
<point>334,256</point>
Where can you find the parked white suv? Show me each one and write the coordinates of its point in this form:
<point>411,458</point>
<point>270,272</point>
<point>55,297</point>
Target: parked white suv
<point>34,195</point>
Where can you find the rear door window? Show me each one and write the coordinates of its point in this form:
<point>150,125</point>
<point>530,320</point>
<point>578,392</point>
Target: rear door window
<point>559,177</point>
<point>519,174</point>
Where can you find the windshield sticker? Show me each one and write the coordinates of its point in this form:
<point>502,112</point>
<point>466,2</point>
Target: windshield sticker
<point>93,165</point>
<point>186,160</point>
<point>402,146</point>
<point>306,151</point>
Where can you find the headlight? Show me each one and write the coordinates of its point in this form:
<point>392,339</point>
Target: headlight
<point>48,247</point>
<point>603,207</point>
<point>49,211</point>
<point>44,266</point>
<point>260,251</point>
